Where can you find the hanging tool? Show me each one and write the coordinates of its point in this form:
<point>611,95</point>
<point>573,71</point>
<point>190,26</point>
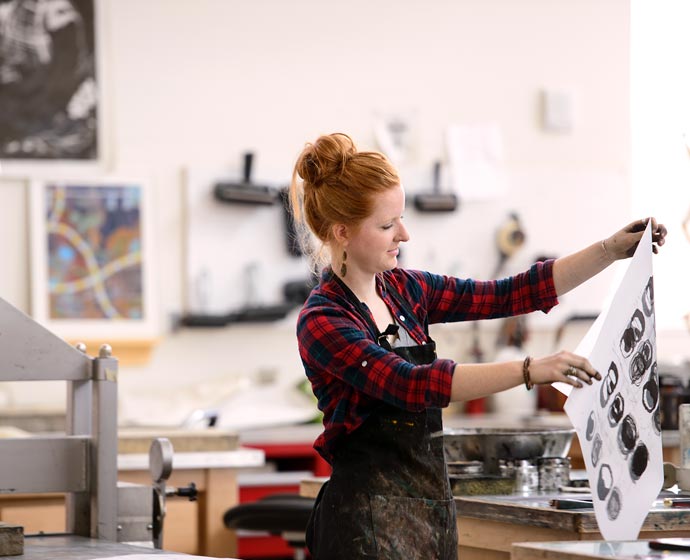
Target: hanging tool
<point>436,201</point>
<point>509,238</point>
<point>246,192</point>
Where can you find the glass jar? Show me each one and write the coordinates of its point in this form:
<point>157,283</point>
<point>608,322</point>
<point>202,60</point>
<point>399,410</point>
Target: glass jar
<point>554,472</point>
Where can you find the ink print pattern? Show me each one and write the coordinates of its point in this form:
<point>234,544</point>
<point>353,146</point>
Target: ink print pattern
<point>618,425</point>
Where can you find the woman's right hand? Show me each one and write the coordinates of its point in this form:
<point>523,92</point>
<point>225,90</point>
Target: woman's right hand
<point>563,366</point>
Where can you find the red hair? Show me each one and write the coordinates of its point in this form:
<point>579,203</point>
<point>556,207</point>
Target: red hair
<point>338,185</point>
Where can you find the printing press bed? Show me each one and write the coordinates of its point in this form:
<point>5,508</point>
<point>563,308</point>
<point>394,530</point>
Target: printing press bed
<point>71,547</point>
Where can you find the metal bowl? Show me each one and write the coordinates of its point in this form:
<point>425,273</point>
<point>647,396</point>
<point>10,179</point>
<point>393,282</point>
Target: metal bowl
<point>489,445</point>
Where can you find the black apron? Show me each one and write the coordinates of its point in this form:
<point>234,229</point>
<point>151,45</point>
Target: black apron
<point>388,496</point>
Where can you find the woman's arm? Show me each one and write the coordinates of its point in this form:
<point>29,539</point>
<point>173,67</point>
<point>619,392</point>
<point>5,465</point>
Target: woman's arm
<point>472,381</point>
<point>572,270</point>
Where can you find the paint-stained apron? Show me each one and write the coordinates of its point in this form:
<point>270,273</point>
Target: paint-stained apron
<point>388,496</point>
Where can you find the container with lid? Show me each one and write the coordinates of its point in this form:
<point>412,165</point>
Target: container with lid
<point>672,395</point>
<point>554,472</point>
<point>526,477</point>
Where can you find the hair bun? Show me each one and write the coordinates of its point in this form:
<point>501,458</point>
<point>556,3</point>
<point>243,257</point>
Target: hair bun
<point>325,159</point>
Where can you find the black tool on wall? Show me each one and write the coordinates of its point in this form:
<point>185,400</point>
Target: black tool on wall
<point>436,201</point>
<point>248,314</point>
<point>291,240</point>
<point>297,291</point>
<point>246,192</point>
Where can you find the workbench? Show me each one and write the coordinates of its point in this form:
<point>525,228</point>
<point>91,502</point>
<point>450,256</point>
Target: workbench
<point>489,525</point>
<point>70,547</point>
<point>620,550</point>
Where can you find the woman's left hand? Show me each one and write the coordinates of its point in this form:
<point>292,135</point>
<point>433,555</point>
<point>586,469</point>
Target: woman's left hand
<point>622,244</point>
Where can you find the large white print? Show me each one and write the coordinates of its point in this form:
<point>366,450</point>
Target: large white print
<point>617,419</point>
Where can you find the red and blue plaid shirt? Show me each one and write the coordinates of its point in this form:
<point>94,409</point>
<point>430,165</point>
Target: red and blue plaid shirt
<point>350,373</point>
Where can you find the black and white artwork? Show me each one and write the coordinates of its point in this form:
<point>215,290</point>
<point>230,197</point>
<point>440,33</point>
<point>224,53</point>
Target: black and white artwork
<point>617,419</point>
<point>48,81</point>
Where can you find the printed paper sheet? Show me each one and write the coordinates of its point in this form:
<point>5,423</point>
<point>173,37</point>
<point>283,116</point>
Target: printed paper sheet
<point>617,419</point>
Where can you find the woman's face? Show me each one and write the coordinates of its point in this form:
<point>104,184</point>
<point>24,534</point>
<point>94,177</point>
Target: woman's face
<point>373,246</point>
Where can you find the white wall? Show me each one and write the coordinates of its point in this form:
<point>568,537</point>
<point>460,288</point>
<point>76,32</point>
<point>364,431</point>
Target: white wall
<point>661,151</point>
<point>197,83</point>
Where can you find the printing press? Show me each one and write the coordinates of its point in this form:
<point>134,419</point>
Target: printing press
<point>103,517</point>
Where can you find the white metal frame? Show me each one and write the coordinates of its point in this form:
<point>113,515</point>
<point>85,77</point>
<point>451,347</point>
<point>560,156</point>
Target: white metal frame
<point>75,328</point>
<point>83,462</point>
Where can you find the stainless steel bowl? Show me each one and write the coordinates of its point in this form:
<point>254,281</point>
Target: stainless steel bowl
<point>491,444</point>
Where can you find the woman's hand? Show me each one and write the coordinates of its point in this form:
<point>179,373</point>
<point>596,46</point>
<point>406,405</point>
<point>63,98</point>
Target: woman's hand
<point>563,366</point>
<point>622,244</point>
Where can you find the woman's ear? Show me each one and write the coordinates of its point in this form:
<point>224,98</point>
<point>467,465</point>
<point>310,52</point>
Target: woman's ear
<point>341,234</point>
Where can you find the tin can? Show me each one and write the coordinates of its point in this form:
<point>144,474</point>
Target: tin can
<point>554,472</point>
<point>526,477</point>
<point>506,468</point>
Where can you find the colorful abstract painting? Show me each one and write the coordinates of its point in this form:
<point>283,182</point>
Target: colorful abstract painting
<point>90,244</point>
<point>94,251</point>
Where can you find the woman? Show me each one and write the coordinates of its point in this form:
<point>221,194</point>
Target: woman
<point>364,342</point>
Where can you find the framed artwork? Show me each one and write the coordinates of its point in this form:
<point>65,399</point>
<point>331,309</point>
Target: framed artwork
<point>49,86</point>
<point>90,259</point>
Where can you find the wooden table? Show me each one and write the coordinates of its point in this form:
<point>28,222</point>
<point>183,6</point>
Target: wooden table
<point>309,487</point>
<point>623,550</point>
<point>489,525</point>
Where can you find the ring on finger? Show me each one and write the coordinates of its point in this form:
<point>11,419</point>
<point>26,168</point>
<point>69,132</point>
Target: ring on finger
<point>570,371</point>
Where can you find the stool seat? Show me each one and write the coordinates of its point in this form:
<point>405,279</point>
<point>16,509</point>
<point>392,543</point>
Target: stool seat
<point>286,515</point>
<point>276,514</point>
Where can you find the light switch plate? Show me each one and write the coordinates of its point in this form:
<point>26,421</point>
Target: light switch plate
<point>557,111</point>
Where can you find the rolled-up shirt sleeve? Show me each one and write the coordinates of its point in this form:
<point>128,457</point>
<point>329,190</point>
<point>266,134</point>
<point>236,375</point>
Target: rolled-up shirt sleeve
<point>454,299</point>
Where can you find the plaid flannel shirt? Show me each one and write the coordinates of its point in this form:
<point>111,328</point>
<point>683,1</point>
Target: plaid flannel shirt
<point>351,374</point>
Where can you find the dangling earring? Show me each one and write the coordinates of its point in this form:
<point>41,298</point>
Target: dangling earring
<point>343,266</point>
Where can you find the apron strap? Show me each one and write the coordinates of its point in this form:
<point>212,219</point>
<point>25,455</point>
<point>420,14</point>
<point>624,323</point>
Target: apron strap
<point>406,307</point>
<point>364,313</point>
